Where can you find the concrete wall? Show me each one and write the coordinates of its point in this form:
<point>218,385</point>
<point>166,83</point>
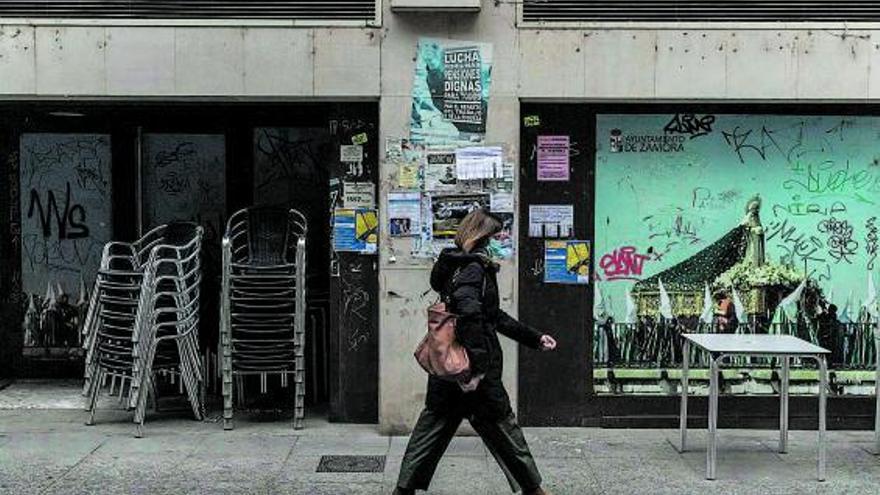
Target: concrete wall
<point>331,63</point>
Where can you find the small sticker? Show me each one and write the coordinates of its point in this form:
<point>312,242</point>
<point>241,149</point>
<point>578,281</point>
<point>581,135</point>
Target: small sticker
<point>351,153</point>
<point>359,138</point>
<point>531,121</point>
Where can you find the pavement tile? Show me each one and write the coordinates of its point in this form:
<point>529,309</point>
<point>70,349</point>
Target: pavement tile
<point>327,488</point>
<point>562,475</point>
<point>238,444</point>
<point>30,462</point>
<point>52,452</point>
<point>358,444</point>
<point>457,475</point>
<point>75,485</point>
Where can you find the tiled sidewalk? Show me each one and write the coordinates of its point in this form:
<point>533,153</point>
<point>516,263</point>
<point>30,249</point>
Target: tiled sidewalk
<point>51,451</point>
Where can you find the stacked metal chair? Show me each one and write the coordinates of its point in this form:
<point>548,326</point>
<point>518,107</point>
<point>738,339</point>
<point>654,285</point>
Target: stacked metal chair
<point>143,319</point>
<point>113,309</point>
<point>262,321</point>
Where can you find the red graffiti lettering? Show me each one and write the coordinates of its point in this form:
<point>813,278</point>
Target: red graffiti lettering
<point>623,264</point>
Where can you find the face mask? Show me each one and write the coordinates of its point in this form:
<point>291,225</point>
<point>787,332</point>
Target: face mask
<point>495,249</point>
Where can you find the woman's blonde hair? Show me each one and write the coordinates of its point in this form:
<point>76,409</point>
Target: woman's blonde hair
<point>476,226</point>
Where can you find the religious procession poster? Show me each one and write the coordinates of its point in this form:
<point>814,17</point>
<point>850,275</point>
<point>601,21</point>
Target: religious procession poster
<point>450,92</point>
<point>355,230</point>
<point>567,262</point>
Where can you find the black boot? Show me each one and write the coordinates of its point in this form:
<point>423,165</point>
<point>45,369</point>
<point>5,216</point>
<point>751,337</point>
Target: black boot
<point>404,491</point>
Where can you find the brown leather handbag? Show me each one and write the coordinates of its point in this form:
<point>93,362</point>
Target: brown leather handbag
<point>439,353</point>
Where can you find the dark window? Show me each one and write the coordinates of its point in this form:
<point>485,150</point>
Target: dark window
<point>554,11</point>
<point>319,10</point>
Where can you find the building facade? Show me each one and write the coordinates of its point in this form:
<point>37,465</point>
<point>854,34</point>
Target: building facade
<point>673,124</point>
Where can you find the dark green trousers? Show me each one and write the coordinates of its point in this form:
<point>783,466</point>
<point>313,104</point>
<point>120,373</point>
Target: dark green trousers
<point>503,438</point>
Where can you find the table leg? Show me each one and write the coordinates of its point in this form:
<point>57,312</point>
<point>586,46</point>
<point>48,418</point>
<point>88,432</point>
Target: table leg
<point>713,417</point>
<point>783,405</point>
<point>683,417</point>
<point>823,386</point>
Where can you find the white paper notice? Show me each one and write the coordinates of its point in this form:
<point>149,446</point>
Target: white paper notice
<point>479,162</point>
<point>358,195</point>
<point>501,202</point>
<point>351,153</point>
<point>404,213</point>
<point>556,221</point>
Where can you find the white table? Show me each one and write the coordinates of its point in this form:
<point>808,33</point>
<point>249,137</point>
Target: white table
<point>784,347</point>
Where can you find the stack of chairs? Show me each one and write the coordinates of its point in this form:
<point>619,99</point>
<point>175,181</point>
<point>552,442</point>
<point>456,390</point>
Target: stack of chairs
<point>263,311</point>
<point>113,309</point>
<point>143,320</point>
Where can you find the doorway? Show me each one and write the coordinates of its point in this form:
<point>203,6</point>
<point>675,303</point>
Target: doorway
<point>113,171</point>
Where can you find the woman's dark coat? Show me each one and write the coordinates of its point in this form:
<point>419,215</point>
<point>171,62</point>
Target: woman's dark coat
<point>468,283</point>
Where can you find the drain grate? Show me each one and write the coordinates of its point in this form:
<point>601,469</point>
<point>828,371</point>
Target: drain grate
<point>351,464</point>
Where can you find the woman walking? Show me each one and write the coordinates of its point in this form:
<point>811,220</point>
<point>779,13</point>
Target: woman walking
<point>465,277</point>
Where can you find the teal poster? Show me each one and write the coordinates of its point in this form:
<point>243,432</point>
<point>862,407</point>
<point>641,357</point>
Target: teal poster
<point>450,92</point>
<point>792,197</point>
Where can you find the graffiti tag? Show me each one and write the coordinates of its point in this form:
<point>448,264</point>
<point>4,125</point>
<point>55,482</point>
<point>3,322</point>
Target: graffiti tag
<point>798,245</point>
<point>840,243</point>
<point>623,264</point>
<point>690,124</point>
<point>798,208</point>
<point>871,241</point>
<point>828,177</point>
<point>69,223</point>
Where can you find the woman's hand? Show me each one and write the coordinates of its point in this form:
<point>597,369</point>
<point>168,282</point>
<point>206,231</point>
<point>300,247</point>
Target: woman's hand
<point>548,343</point>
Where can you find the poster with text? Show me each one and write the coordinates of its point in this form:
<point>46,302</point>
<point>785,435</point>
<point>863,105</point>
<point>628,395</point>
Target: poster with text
<point>551,221</point>
<point>355,230</point>
<point>449,210</point>
<point>450,92</point>
<point>440,171</point>
<point>553,162</point>
<point>567,262</point>
<point>404,213</point>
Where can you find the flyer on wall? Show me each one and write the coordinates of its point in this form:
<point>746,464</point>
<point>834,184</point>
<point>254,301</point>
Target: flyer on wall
<point>566,262</point>
<point>355,230</point>
<point>449,210</point>
<point>404,213</point>
<point>450,92</point>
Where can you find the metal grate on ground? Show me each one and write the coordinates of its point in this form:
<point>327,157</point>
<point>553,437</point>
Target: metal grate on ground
<point>351,464</point>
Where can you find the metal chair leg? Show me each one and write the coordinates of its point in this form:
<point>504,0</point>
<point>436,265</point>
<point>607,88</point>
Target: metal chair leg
<point>93,400</point>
